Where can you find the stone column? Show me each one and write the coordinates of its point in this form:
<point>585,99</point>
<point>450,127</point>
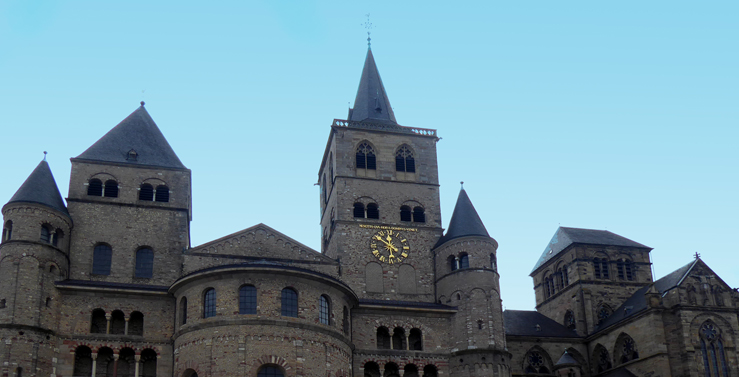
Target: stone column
<point>107,326</point>
<point>138,361</point>
<point>125,331</point>
<point>115,364</point>
<point>94,363</point>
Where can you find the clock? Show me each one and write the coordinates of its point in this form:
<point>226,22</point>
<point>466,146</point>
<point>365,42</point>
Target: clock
<point>389,246</point>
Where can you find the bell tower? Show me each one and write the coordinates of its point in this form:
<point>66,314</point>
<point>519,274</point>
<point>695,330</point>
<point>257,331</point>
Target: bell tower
<point>380,211</point>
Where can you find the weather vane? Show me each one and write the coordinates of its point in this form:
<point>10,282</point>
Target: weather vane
<point>44,155</point>
<point>368,26</point>
<point>697,255</point>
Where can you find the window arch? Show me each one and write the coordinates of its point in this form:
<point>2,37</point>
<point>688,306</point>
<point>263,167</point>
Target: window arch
<point>625,269</point>
<point>83,361</point>
<point>430,371</point>
<point>415,340</point>
<point>569,321</point>
<point>404,159</point>
<point>600,266</point>
<point>110,189</point>
<point>209,303</point>
<point>358,210</point>
<point>712,350</point>
<point>148,363</point>
<point>383,338</point>
<point>45,234</point>
<point>493,262</point>
<point>452,261</point>
<point>625,349</point>
<point>464,260</point>
<point>270,371</point>
<point>366,157</point>
<point>405,213</point>
<point>324,310</point>
<point>418,215</point>
<point>162,194</point>
<point>602,359</point>
<point>373,211</point>
<point>56,237</point>
<point>102,256</point>
<point>146,192</point>
<point>98,322</point>
<point>604,311</point>
<point>371,369</point>
<point>95,187</point>
<point>136,324</point>
<point>183,311</point>
<point>7,231</point>
<point>537,361</point>
<point>145,263</point>
<point>289,302</point>
<point>117,323</point>
<point>248,299</point>
<point>399,339</point>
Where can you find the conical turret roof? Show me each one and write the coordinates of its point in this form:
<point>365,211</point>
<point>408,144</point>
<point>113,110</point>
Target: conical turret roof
<point>371,103</point>
<point>40,188</point>
<point>139,134</point>
<point>465,221</point>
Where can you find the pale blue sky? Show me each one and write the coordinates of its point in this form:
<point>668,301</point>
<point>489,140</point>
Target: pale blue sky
<point>619,115</point>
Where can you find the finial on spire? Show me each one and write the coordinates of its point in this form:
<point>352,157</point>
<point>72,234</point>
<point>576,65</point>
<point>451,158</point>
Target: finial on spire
<point>44,155</point>
<point>143,103</point>
<point>461,183</point>
<point>697,254</point>
<point>368,26</point>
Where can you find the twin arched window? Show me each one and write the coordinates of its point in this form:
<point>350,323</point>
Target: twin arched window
<point>147,193</point>
<point>625,269</point>
<point>95,187</point>
<point>365,158</point>
<point>398,340</point>
<point>600,265</point>
<point>372,211</point>
<point>47,234</point>
<point>416,215</point>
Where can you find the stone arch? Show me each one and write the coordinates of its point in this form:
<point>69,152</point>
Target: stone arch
<point>537,361</point>
<point>601,359</point>
<point>271,360</point>
<point>727,332</point>
<point>373,278</point>
<point>190,373</point>
<point>625,349</point>
<point>406,279</point>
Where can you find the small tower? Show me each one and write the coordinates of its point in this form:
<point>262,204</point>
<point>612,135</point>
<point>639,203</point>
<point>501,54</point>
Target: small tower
<point>34,255</point>
<point>467,277</point>
<point>567,366</point>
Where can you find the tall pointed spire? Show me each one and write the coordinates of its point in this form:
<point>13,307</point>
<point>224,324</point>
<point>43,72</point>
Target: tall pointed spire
<point>371,103</point>
<point>465,220</point>
<point>40,188</point>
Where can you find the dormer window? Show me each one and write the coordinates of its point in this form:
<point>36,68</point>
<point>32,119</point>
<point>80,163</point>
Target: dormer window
<point>132,155</point>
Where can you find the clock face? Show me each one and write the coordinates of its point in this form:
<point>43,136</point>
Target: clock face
<point>389,246</point>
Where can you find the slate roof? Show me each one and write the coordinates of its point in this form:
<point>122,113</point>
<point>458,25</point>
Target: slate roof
<point>371,103</point>
<point>567,359</point>
<point>674,278</point>
<point>465,221</point>
<point>524,323</point>
<point>138,132</point>
<point>619,372</point>
<point>564,237</point>
<point>40,188</point>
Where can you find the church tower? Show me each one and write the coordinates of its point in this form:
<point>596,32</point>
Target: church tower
<point>380,212</point>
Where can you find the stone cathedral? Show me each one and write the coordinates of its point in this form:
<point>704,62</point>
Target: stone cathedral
<point>106,283</point>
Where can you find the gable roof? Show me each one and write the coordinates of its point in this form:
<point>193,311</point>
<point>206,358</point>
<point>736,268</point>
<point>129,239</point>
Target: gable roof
<point>40,188</point>
<point>564,237</point>
<point>465,221</point>
<point>533,323</point>
<point>137,132</point>
<point>371,103</point>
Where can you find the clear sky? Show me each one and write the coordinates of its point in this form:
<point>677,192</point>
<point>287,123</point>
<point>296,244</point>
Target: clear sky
<point>605,115</point>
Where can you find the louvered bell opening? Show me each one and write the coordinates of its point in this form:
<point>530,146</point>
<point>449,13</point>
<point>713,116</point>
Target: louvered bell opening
<point>410,165</point>
<point>399,163</point>
<point>418,215</point>
<point>405,213</point>
<point>359,210</point>
<point>361,161</point>
<point>162,194</point>
<point>371,164</point>
<point>111,189</point>
<point>373,211</point>
<point>95,188</point>
<point>146,193</point>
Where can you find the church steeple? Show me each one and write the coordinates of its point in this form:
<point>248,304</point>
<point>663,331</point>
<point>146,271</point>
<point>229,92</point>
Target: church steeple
<point>40,188</point>
<point>371,103</point>
<point>465,220</point>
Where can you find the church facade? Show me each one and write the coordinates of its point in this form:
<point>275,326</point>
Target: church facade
<point>107,284</point>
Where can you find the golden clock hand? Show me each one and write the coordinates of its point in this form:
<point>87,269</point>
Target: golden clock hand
<point>381,240</point>
<point>389,243</point>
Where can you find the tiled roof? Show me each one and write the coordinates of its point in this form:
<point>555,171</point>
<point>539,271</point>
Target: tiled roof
<point>40,187</point>
<point>371,103</point>
<point>564,237</point>
<point>139,133</point>
<point>533,323</point>
<point>465,221</point>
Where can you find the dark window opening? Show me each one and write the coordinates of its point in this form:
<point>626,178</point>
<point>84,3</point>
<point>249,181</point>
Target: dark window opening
<point>145,263</point>
<point>101,259</point>
<point>418,215</point>
<point>146,192</point>
<point>452,260</point>
<point>162,194</point>
<point>430,371</point>
<point>95,187</point>
<point>148,363</point>
<point>270,371</point>
<point>404,160</point>
<point>405,213</point>
<point>7,231</point>
<point>111,189</point>
<point>373,212</point>
<point>289,302</point>
<point>57,237</point>
<point>415,340</point>
<point>371,369</point>
<point>117,323</point>
<point>359,210</point>
<point>366,157</point>
<point>136,324</point>
<point>324,312</point>
<point>132,155</point>
<point>383,338</point>
<point>82,361</point>
<point>604,359</point>
<point>98,323</point>
<point>399,340</point>
<point>183,311</point>
<point>48,302</point>
<point>570,320</point>
<point>248,300</point>
<point>45,234</point>
<point>601,268</point>
<point>331,166</point>
<point>464,261</point>
<point>493,262</point>
<point>209,303</point>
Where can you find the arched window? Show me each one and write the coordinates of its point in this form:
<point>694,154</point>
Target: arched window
<point>83,361</point>
<point>359,210</point>
<point>602,359</point>
<point>346,324</point>
<point>209,303</point>
<point>183,311</point>
<point>410,370</point>
<point>418,215</point>
<point>430,371</point>
<point>712,350</point>
<point>493,262</point>
<point>101,259</point>
<point>537,362</point>
<point>383,338</point>
<point>404,160</point>
<point>405,213</point>
<point>570,320</point>
<point>625,269</point>
<point>126,362</point>
<point>269,371</point>
<point>136,324</point>
<point>373,212</point>
<point>547,287</point>
<point>95,187</point>
<point>105,362</point>
<point>464,260</point>
<point>45,234</point>
<point>604,311</point>
<point>391,370</point>
<point>371,369</point>
<point>117,323</point>
<point>625,349</point>
<point>98,323</point>
<point>145,263</point>
<point>111,189</point>
<point>162,194</point>
<point>146,192</point>
<point>452,261</point>
<point>324,310</point>
<point>399,340</point>
<point>415,340</point>
<point>366,157</point>
<point>289,302</point>
<point>248,300</point>
<point>601,268</point>
<point>148,363</point>
<point>629,267</point>
<point>7,231</point>
<point>57,237</point>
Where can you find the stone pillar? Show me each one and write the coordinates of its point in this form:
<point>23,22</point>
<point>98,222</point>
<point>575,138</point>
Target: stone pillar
<point>115,364</point>
<point>94,363</point>
<point>125,330</point>
<point>107,325</point>
<point>138,361</point>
